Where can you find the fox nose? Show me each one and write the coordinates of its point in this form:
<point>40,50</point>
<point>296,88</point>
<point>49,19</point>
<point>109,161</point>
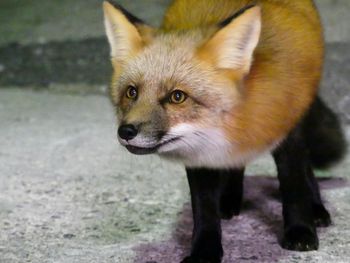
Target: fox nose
<point>127,132</point>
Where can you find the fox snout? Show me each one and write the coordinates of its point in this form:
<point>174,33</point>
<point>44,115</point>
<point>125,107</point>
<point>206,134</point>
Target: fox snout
<point>143,138</point>
<point>128,132</point>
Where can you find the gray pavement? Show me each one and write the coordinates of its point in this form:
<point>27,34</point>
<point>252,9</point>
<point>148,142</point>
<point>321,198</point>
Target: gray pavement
<point>70,193</point>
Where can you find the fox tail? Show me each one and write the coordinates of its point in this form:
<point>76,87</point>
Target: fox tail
<point>324,136</point>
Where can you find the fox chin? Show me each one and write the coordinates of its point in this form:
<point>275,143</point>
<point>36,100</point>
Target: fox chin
<point>217,85</point>
<point>194,147</point>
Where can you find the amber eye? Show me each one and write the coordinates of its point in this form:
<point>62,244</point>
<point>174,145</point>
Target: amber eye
<point>131,93</point>
<point>178,97</point>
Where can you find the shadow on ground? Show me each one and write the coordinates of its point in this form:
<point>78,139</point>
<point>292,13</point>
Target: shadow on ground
<point>251,237</point>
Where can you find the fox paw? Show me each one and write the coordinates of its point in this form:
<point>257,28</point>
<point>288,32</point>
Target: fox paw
<point>199,260</point>
<point>211,252</point>
<point>300,238</point>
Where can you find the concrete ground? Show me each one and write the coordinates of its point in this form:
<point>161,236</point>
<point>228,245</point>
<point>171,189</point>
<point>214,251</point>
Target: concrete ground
<point>69,193</point>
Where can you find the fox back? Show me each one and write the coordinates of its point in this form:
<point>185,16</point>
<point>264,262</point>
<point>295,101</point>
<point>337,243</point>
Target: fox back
<point>219,83</point>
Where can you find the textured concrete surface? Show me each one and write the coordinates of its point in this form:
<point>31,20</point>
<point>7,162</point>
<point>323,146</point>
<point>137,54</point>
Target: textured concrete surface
<point>44,21</point>
<point>70,194</point>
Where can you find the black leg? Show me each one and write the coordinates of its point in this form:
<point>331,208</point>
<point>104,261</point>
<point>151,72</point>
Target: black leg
<point>321,216</point>
<point>232,192</point>
<point>205,195</point>
<point>297,194</point>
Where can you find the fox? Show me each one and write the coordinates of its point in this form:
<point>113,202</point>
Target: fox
<point>217,85</point>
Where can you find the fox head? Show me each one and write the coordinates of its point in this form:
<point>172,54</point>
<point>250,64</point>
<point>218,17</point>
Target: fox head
<point>176,92</point>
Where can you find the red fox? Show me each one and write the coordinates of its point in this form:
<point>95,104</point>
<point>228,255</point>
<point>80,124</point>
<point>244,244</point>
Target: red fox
<point>217,85</point>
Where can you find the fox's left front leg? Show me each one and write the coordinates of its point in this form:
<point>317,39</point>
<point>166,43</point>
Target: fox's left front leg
<point>205,195</point>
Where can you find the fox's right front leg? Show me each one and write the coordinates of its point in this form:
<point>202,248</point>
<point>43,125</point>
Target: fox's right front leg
<point>205,196</point>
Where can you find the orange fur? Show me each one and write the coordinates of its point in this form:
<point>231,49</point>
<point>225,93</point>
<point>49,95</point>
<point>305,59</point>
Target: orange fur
<point>286,71</point>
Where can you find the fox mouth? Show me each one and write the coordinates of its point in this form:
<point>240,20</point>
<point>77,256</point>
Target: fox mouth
<point>148,150</point>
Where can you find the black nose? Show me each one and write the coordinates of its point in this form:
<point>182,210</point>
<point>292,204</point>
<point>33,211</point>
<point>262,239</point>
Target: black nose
<point>127,132</point>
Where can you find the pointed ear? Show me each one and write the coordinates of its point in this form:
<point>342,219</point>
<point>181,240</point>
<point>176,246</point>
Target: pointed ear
<point>126,34</point>
<point>232,47</point>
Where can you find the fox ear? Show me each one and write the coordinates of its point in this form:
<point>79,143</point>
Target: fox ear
<point>126,34</point>
<point>232,47</point>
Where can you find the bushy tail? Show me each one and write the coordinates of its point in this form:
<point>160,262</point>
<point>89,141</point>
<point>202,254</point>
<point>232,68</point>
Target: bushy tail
<point>324,136</point>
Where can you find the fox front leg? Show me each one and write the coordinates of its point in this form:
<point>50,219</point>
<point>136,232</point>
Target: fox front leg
<point>232,192</point>
<point>205,187</point>
<point>298,195</point>
<point>321,216</point>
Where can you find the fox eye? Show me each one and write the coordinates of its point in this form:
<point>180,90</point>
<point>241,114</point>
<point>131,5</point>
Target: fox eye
<point>131,92</point>
<point>178,97</point>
